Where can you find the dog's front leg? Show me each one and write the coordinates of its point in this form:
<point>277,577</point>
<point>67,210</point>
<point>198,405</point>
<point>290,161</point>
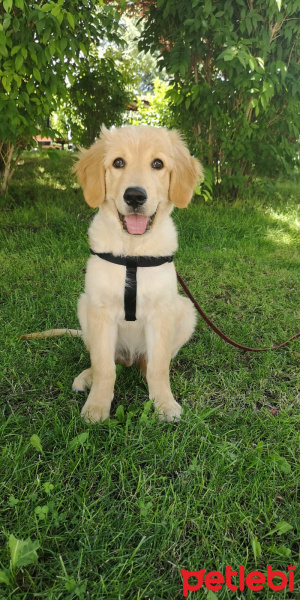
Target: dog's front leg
<point>159,343</point>
<point>102,334</point>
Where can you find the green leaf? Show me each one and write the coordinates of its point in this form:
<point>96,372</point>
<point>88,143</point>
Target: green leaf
<point>15,49</point>
<point>283,551</point>
<point>37,74</point>
<point>7,5</point>
<point>4,578</point>
<point>30,87</point>
<point>33,56</point>
<point>6,21</point>
<point>261,62</point>
<point>145,508</point>
<point>48,487</point>
<point>36,442</point>
<point>281,527</point>
<point>71,20</point>
<point>281,463</point>
<point>281,66</point>
<point>42,511</point>
<point>16,25</point>
<point>3,50</point>
<point>46,35</point>
<point>83,48</point>
<point>226,55</point>
<point>264,101</point>
<point>120,413</point>
<point>242,60</point>
<point>19,62</point>
<point>256,547</point>
<point>79,440</point>
<point>47,7</point>
<point>22,553</point>
<point>52,48</point>
<point>12,501</point>
<point>248,25</point>
<point>252,63</point>
<point>6,84</point>
<point>56,10</point>
<point>211,595</point>
<point>60,17</point>
<point>189,22</point>
<point>70,585</point>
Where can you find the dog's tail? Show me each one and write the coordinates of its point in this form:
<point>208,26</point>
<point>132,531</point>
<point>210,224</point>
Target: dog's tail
<point>52,333</point>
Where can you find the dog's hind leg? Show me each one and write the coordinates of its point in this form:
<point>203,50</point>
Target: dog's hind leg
<point>142,364</point>
<point>83,381</point>
<point>82,316</point>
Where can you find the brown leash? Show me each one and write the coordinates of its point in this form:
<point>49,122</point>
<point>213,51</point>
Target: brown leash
<point>222,335</point>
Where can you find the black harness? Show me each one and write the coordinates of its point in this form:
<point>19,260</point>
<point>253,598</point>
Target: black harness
<point>132,263</point>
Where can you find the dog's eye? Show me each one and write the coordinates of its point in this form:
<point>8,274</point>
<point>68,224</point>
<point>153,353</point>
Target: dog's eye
<point>119,163</point>
<point>157,164</point>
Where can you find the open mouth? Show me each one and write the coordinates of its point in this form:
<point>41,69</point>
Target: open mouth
<point>136,224</point>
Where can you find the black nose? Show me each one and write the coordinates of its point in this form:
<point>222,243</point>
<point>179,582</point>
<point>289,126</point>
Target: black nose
<point>135,196</point>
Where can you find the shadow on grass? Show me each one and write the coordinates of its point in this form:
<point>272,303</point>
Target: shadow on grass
<point>39,177</point>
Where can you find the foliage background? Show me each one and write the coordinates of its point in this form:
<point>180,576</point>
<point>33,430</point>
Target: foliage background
<point>235,82</point>
<point>40,45</point>
<point>228,78</point>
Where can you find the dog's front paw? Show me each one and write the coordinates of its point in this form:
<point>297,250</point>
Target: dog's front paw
<point>94,412</point>
<point>168,411</point>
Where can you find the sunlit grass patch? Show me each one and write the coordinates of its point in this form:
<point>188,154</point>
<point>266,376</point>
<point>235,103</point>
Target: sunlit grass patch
<point>118,509</point>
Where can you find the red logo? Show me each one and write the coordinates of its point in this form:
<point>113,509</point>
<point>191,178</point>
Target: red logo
<point>234,580</point>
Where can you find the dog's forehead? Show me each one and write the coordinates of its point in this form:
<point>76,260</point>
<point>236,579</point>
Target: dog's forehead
<point>137,142</point>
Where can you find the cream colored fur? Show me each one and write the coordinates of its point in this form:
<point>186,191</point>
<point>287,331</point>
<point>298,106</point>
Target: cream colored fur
<point>165,320</point>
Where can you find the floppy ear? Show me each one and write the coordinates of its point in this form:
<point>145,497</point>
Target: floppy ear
<point>185,173</point>
<point>91,173</point>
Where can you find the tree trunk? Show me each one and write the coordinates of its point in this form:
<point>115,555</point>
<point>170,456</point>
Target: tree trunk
<point>210,144</point>
<point>7,165</point>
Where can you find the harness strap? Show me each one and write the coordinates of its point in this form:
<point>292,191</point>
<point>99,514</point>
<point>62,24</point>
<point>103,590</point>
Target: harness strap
<point>130,294</point>
<point>132,263</point>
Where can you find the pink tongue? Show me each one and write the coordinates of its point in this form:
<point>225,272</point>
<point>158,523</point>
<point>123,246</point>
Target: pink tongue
<point>136,223</point>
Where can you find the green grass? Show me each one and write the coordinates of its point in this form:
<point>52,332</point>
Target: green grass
<point>118,512</point>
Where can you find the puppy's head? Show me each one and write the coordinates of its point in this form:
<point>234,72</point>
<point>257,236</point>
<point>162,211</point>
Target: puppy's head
<point>138,173</point>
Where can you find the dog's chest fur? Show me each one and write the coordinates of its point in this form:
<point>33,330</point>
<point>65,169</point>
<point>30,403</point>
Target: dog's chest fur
<point>105,282</point>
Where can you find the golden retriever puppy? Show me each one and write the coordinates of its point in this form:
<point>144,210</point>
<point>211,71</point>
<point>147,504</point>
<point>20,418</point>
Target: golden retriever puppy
<point>131,311</point>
